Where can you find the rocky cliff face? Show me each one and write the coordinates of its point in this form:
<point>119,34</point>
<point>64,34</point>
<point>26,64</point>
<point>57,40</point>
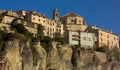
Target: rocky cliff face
<point>17,55</point>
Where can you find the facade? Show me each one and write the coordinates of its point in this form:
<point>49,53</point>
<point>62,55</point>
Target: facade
<point>73,22</point>
<point>104,37</point>
<point>6,18</point>
<point>31,27</point>
<point>32,19</point>
<point>70,26</point>
<point>85,39</point>
<point>50,25</point>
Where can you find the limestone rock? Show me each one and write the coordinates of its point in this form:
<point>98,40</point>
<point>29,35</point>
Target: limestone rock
<point>27,57</point>
<point>39,57</point>
<point>11,56</point>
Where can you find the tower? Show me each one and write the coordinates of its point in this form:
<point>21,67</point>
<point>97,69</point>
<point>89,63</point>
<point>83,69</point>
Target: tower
<point>56,15</point>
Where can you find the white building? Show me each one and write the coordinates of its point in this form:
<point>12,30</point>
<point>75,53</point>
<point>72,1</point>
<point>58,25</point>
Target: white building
<point>85,39</point>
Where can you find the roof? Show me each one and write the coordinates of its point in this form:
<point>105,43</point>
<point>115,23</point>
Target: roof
<point>96,28</point>
<point>71,14</point>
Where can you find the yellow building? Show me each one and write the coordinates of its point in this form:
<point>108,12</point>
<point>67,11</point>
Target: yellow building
<point>50,25</point>
<point>104,37</point>
<point>31,27</point>
<point>73,22</point>
<point>6,18</point>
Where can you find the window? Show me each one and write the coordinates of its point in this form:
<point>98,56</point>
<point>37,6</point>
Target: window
<point>33,14</point>
<point>38,19</point>
<point>34,18</point>
<point>101,39</point>
<point>107,36</point>
<point>72,20</point>
<point>44,21</point>
<point>101,34</point>
<point>79,21</point>
<point>56,14</point>
<point>53,29</point>
<point>108,42</point>
<point>114,38</point>
<point>112,42</point>
<point>53,24</point>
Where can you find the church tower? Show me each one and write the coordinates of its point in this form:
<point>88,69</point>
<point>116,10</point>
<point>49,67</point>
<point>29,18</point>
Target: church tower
<point>56,15</point>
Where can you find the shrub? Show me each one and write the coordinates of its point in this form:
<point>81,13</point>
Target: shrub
<point>22,30</point>
<point>46,43</point>
<point>103,48</point>
<point>116,53</point>
<point>58,38</point>
<point>35,39</point>
<point>40,33</point>
<point>12,36</point>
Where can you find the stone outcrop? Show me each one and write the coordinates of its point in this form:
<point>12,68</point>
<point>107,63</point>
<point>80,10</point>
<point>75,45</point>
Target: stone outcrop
<point>39,57</point>
<point>17,55</point>
<point>11,56</point>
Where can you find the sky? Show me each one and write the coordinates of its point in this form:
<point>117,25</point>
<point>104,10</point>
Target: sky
<point>104,14</point>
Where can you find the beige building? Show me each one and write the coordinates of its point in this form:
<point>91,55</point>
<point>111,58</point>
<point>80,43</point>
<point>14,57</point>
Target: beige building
<point>104,37</point>
<point>6,18</point>
<point>50,25</point>
<point>31,27</point>
<point>73,22</point>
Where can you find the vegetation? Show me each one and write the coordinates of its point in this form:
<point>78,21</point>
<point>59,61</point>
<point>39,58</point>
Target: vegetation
<point>103,48</point>
<point>58,38</point>
<point>116,53</point>
<point>46,43</point>
<point>21,29</point>
<point>45,40</point>
<point>35,39</point>
<point>12,36</point>
<point>0,18</point>
<point>40,34</point>
<point>2,36</point>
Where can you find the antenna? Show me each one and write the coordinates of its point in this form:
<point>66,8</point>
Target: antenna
<point>11,12</point>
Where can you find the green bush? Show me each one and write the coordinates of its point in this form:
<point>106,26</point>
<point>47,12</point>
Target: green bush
<point>35,39</point>
<point>46,43</point>
<point>40,32</point>
<point>58,38</point>
<point>12,36</point>
<point>2,36</point>
<point>22,30</point>
<point>116,53</point>
<point>103,48</point>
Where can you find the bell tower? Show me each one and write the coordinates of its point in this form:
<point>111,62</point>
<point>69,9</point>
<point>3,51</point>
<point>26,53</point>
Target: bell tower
<point>56,15</point>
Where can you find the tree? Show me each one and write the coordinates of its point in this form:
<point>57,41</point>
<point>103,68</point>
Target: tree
<point>21,29</point>
<point>40,33</point>
<point>0,18</point>
<point>58,38</point>
<point>103,48</point>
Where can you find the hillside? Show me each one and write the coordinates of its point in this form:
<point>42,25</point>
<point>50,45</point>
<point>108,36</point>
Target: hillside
<point>24,55</point>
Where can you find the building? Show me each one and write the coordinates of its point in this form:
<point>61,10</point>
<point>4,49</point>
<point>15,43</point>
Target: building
<point>73,22</point>
<point>32,19</point>
<point>50,25</point>
<point>85,39</point>
<point>6,17</point>
<point>104,37</point>
<point>31,27</point>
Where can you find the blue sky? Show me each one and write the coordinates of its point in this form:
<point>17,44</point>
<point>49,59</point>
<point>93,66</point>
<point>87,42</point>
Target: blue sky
<point>102,13</point>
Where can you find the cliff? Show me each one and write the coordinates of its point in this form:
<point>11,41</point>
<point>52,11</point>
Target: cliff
<point>17,55</point>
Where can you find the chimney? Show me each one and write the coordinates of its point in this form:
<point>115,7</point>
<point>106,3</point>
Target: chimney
<point>110,30</point>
